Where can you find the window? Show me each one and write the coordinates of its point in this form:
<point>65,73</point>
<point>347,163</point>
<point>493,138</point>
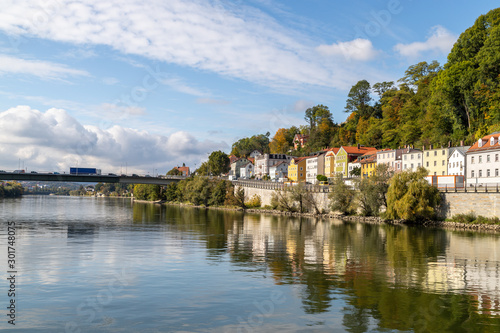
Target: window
<point>427,163</point>
<point>435,163</point>
<point>442,162</point>
<point>412,165</point>
<point>443,173</point>
<point>488,173</point>
<point>496,157</point>
<point>496,172</point>
<point>427,154</point>
<point>443,152</point>
<point>487,158</point>
<point>404,157</point>
<point>449,165</point>
<point>434,173</point>
<point>480,159</point>
<point>472,160</point>
<point>418,156</point>
<point>411,156</point>
<point>472,173</point>
<point>480,173</point>
<point>301,170</point>
<point>435,153</point>
<point>419,164</point>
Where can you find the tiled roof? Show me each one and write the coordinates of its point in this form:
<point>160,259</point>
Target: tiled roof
<point>299,159</point>
<point>486,143</point>
<point>358,151</point>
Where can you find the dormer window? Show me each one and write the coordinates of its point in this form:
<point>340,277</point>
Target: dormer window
<point>480,143</point>
<point>492,141</point>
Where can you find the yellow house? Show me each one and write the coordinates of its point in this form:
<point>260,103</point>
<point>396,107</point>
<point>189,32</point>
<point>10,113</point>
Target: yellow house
<point>346,154</point>
<point>368,164</point>
<point>330,162</point>
<point>297,169</point>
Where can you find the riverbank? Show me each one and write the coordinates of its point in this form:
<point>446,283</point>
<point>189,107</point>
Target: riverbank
<point>351,218</point>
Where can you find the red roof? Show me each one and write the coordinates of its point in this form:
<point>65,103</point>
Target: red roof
<point>358,151</point>
<point>486,140</point>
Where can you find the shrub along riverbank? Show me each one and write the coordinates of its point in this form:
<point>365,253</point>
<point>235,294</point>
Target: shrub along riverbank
<point>11,190</point>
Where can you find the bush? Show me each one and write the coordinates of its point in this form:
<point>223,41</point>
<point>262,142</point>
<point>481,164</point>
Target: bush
<point>254,201</point>
<point>411,197</point>
<point>341,196</point>
<point>321,178</point>
<point>219,194</point>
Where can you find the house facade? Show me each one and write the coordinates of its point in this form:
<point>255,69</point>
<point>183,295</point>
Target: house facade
<point>347,155</point>
<point>300,140</point>
<point>368,162</point>
<point>391,158</point>
<point>483,161</point>
<point>265,161</point>
<point>329,170</point>
<point>436,161</point>
<point>457,163</point>
<point>247,171</point>
<point>236,166</point>
<point>315,165</point>
<point>411,159</point>
<point>255,153</point>
<point>278,171</point>
<point>297,169</point>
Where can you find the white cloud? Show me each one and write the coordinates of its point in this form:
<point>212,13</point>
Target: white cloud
<point>42,69</point>
<point>440,41</point>
<point>53,140</point>
<point>237,41</point>
<point>357,49</point>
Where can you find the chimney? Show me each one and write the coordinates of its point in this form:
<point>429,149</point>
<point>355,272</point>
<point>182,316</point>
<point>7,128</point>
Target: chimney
<point>423,147</point>
<point>358,145</point>
<point>461,143</point>
<point>431,147</point>
<point>449,144</point>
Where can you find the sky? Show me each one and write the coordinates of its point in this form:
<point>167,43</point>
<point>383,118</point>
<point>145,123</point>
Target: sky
<point>143,86</point>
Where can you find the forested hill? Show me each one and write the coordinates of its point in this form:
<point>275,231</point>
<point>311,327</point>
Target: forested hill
<point>430,104</point>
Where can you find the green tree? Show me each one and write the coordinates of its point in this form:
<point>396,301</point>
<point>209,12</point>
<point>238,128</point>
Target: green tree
<point>174,172</point>
<point>341,196</point>
<point>219,193</point>
<point>411,197</point>
<point>358,99</point>
<point>171,192</point>
<point>218,163</point>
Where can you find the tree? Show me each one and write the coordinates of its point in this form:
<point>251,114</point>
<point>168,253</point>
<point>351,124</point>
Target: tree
<point>381,87</point>
<point>219,194</point>
<point>322,178</point>
<point>279,143</point>
<point>243,147</point>
<point>317,114</point>
<point>171,192</point>
<point>372,191</point>
<point>358,99</point>
<point>355,172</point>
<point>411,197</point>
<point>341,196</point>
<point>218,163</point>
<point>174,172</point>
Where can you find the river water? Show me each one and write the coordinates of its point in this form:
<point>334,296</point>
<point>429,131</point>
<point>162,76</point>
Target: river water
<point>107,265</point>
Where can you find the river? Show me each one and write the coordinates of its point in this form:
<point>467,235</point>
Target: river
<point>107,265</point>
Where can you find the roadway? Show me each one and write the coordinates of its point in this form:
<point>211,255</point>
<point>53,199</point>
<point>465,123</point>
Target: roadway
<point>48,177</point>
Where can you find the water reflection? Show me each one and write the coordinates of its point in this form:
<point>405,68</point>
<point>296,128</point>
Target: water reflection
<point>405,278</point>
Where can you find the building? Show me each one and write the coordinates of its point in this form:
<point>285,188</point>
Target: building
<point>483,161</point>
<point>435,160</point>
<point>315,166</point>
<point>300,140</point>
<point>457,161</point>
<point>232,158</point>
<point>264,162</point>
<point>411,159</point>
<point>329,171</point>
<point>255,153</point>
<point>297,169</point>
<point>368,163</point>
<point>346,155</point>
<point>278,171</point>
<point>247,171</point>
<point>353,166</point>
<point>392,158</point>
<point>184,170</point>
<point>236,165</point>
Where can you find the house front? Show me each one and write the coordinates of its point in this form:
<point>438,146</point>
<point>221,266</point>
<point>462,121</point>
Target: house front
<point>300,140</point>
<point>315,166</point>
<point>247,171</point>
<point>457,165</point>
<point>329,171</point>
<point>483,161</point>
<point>297,169</point>
<point>435,160</point>
<point>368,163</point>
<point>236,166</point>
<point>348,155</point>
<point>264,162</point>
<point>412,159</point>
<point>278,171</point>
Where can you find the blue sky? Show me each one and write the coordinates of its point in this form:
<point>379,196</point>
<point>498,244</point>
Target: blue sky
<point>154,84</point>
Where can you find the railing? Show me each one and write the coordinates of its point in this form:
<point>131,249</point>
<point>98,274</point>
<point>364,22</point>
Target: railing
<point>479,187</point>
<point>280,186</point>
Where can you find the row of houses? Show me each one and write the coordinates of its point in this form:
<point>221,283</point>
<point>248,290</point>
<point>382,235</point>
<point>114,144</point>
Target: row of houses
<point>479,163</point>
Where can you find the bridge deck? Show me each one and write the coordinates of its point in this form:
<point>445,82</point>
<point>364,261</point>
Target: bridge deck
<point>46,177</point>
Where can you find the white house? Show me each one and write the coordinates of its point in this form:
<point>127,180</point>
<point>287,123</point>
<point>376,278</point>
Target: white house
<point>412,159</point>
<point>278,171</point>
<point>483,161</point>
<point>255,153</point>
<point>351,166</point>
<point>315,166</point>
<point>264,162</point>
<point>457,161</point>
<point>247,171</point>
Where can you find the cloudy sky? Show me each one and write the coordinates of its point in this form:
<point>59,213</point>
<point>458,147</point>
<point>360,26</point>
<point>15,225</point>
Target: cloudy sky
<point>153,84</point>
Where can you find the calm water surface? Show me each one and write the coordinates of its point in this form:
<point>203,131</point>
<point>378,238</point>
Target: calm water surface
<point>107,265</point>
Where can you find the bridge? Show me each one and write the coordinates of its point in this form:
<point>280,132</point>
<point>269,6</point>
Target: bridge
<point>49,177</point>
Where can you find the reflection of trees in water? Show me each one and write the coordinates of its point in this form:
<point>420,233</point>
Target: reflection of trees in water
<point>382,271</point>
